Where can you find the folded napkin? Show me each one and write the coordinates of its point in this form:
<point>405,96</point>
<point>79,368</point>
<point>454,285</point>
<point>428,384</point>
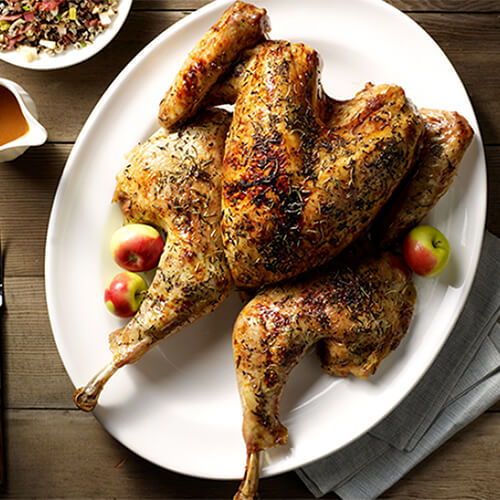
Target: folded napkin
<point>462,383</point>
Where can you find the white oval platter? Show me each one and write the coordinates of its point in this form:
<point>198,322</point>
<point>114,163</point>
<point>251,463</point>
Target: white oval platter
<point>178,407</point>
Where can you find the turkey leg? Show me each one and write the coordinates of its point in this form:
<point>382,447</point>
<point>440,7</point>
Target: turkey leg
<point>173,181</point>
<point>363,310</point>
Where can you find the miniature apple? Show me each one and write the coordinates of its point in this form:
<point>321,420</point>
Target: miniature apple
<point>124,294</point>
<point>136,247</point>
<point>426,250</point>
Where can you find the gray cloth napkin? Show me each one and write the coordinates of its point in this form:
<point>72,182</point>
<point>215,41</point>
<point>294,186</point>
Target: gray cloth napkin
<point>462,383</point>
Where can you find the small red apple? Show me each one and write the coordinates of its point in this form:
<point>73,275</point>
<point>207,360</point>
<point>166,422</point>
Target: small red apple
<point>136,247</point>
<point>426,250</point>
<point>124,294</point>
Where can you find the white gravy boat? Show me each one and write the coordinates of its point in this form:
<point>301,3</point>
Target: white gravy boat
<point>35,135</point>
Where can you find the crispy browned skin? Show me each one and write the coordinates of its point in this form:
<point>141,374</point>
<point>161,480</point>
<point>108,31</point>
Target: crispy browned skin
<point>363,311</point>
<point>173,181</point>
<point>298,189</point>
<point>241,26</point>
<point>446,138</point>
<point>381,326</point>
<point>227,87</point>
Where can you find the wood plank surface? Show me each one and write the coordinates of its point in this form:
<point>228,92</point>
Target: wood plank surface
<point>55,451</point>
<point>34,376</point>
<point>471,6</point>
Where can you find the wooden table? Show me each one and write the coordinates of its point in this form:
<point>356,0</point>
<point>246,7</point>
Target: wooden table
<point>54,450</point>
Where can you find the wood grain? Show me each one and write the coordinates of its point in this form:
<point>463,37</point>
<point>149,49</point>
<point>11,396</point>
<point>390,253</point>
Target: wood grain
<point>471,6</point>
<point>91,464</point>
<point>34,376</point>
<point>28,186</point>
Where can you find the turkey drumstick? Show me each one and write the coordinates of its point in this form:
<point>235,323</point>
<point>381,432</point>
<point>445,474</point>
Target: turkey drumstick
<point>173,181</point>
<point>363,310</point>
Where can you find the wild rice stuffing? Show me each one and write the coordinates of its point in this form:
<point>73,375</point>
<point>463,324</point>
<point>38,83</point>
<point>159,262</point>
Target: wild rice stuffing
<point>52,26</point>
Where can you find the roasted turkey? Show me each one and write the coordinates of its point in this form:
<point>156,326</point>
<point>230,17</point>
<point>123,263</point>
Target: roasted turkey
<point>173,181</point>
<point>304,176</point>
<point>446,137</point>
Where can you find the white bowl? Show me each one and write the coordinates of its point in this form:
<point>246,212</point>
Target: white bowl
<point>36,134</point>
<point>72,56</point>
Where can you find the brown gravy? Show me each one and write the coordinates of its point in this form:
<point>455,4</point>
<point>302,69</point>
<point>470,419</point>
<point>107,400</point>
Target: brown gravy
<point>12,122</point>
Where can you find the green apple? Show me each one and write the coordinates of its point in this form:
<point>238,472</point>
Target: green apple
<point>124,294</point>
<point>426,251</point>
<point>136,247</point>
